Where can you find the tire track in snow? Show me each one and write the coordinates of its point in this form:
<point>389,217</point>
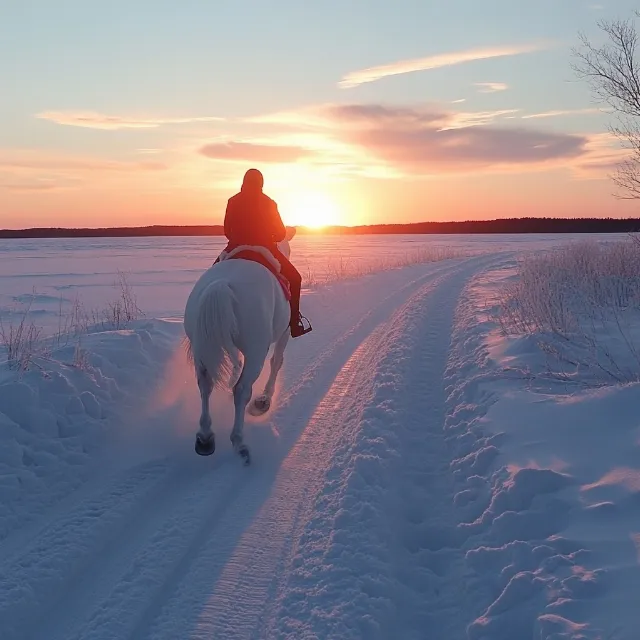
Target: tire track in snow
<point>76,558</point>
<point>178,511</point>
<point>332,356</point>
<point>21,542</point>
<point>33,579</point>
<point>167,557</point>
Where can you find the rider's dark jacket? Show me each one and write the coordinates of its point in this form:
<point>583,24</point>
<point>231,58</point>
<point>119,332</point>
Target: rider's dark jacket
<point>252,218</point>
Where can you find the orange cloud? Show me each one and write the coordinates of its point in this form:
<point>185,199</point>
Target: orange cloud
<point>250,152</point>
<point>374,74</point>
<point>93,120</point>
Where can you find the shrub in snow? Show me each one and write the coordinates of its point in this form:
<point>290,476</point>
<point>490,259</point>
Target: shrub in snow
<point>21,340</point>
<point>25,344</point>
<point>582,302</point>
<point>123,309</point>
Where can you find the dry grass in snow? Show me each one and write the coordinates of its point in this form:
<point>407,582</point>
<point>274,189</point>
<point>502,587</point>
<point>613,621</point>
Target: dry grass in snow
<point>24,342</point>
<point>582,303</point>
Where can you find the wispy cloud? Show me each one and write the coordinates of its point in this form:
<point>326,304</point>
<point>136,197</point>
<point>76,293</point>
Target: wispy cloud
<point>304,118</point>
<point>373,74</point>
<point>476,118</point>
<point>26,184</point>
<point>28,160</point>
<point>363,115</point>
<point>604,156</point>
<point>491,87</point>
<point>380,115</point>
<point>252,152</point>
<point>93,120</point>
<point>22,187</point>
<point>563,112</point>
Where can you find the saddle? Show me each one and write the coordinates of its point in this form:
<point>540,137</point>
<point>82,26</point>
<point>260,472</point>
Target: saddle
<point>263,257</point>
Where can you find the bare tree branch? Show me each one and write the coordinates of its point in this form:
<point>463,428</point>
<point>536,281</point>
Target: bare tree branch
<point>611,69</point>
<point>613,74</point>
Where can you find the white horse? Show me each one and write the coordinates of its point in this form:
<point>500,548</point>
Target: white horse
<point>236,307</point>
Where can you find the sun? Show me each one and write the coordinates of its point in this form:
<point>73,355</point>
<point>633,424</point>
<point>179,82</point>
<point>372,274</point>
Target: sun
<point>313,209</point>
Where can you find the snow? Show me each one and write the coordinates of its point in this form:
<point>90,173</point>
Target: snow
<point>421,475</point>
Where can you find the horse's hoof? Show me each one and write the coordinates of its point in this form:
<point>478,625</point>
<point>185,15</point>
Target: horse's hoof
<point>205,446</point>
<point>261,405</point>
<point>243,452</point>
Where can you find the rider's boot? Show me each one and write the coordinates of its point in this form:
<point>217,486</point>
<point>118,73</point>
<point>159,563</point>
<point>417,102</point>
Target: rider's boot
<point>296,324</point>
<point>298,329</point>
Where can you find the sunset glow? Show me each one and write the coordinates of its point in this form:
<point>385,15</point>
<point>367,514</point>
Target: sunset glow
<point>461,125</point>
<point>312,209</point>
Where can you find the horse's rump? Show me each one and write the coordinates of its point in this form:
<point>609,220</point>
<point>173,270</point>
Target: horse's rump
<point>262,256</point>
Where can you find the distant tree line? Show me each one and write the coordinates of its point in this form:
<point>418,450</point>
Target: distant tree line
<point>508,225</point>
<point>114,232</point>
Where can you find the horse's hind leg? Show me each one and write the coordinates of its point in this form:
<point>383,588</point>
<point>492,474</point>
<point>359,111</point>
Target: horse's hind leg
<point>237,369</point>
<point>205,439</point>
<point>262,403</point>
<point>241,397</point>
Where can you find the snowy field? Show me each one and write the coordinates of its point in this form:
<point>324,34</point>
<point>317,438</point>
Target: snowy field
<point>163,270</point>
<point>453,453</point>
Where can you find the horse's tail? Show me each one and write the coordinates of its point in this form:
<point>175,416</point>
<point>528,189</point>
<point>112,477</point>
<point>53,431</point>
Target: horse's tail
<point>216,329</point>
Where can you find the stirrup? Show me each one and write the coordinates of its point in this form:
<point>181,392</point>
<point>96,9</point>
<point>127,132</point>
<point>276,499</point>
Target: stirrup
<point>299,329</point>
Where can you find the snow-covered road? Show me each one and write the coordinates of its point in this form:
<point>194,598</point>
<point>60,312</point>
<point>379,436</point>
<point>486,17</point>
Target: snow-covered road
<point>357,519</point>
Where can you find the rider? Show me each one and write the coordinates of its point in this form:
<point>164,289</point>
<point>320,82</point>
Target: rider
<point>252,218</point>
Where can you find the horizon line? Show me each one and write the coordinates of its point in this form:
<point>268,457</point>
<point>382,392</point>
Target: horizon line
<point>219,228</point>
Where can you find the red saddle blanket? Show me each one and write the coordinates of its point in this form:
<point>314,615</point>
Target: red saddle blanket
<point>255,256</point>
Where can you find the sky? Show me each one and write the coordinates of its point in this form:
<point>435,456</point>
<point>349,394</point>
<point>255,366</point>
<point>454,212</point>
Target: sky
<point>359,112</point>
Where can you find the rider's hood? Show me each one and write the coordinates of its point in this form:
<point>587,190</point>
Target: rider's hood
<point>253,181</point>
